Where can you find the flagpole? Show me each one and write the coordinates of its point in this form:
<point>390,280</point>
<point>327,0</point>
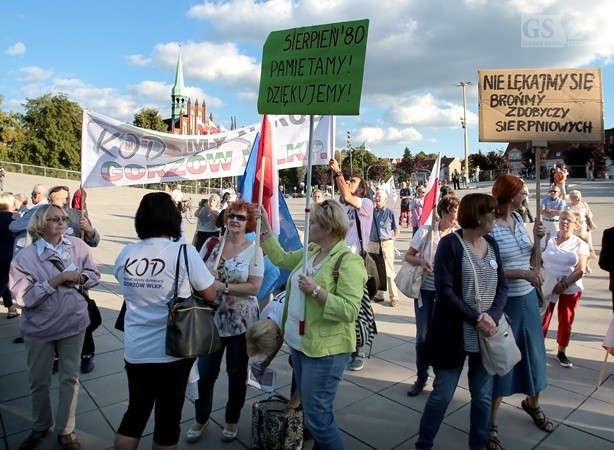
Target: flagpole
<point>260,195</point>
<point>308,197</point>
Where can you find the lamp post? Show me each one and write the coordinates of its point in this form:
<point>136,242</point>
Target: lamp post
<point>464,85</point>
<point>350,152</point>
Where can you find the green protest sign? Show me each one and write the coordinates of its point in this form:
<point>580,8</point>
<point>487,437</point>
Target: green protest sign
<point>314,70</point>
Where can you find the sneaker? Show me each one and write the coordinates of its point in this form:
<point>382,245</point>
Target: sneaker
<point>56,365</point>
<point>563,360</point>
<point>69,441</point>
<point>87,363</point>
<point>357,363</point>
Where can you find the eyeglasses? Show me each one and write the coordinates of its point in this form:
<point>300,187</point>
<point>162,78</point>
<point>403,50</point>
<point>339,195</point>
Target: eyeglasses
<point>239,217</point>
<point>63,219</point>
<point>493,212</point>
<point>556,192</point>
<point>566,219</point>
<point>55,189</point>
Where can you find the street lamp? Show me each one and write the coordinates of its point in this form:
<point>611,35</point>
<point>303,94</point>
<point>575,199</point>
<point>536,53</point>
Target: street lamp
<point>350,152</point>
<point>464,85</point>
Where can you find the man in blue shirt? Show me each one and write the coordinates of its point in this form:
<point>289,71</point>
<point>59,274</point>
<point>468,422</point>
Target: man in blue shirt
<point>551,208</point>
<point>384,231</point>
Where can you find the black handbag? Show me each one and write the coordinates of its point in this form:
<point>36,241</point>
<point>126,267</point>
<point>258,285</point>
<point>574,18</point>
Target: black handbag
<point>190,328</point>
<point>121,318</point>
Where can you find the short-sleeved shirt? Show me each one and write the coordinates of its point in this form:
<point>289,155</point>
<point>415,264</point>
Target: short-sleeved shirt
<point>557,204</point>
<point>561,260</point>
<point>146,275</point>
<point>365,214</point>
<point>235,313</point>
<point>384,222</point>
<point>515,252</point>
<point>428,282</point>
<point>274,309</point>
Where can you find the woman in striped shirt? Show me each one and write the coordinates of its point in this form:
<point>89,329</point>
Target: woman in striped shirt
<point>453,334</point>
<point>529,375</point>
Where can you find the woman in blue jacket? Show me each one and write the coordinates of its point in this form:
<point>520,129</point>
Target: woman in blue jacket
<point>453,335</point>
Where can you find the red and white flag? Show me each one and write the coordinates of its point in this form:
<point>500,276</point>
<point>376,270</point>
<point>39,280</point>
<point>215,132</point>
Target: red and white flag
<point>432,194</point>
<point>270,199</point>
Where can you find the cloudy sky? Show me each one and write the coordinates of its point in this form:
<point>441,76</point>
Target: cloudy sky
<point>116,57</point>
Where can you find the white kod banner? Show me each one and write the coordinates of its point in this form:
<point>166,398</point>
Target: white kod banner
<point>118,154</point>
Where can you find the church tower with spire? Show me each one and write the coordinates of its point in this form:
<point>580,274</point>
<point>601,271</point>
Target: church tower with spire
<point>188,118</point>
<point>178,96</point>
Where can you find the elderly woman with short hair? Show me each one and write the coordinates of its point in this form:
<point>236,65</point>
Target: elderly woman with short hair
<point>46,279</point>
<point>319,314</point>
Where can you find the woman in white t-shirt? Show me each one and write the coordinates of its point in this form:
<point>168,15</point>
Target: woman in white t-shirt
<point>565,256</point>
<point>146,272</point>
<point>238,274</point>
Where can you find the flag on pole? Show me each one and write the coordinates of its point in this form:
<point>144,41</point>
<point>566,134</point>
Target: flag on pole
<point>270,182</point>
<point>392,190</point>
<point>273,202</point>
<point>432,193</point>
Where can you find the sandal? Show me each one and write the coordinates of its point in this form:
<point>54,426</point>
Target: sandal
<point>13,314</point>
<point>493,439</point>
<point>538,416</point>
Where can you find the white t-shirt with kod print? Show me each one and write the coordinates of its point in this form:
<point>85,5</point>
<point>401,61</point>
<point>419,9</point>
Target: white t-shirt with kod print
<point>274,310</point>
<point>146,275</point>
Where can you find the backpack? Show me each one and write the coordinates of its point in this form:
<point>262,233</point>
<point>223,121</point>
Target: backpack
<point>366,328</point>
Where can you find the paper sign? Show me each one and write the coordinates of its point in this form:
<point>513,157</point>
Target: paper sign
<point>552,105</point>
<point>314,70</point>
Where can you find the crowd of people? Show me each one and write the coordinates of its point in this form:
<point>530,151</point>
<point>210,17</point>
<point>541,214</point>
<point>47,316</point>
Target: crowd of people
<point>47,269</point>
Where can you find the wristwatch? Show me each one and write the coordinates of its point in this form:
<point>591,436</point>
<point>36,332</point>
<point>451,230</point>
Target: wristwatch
<point>338,174</point>
<point>226,289</point>
<point>316,291</point>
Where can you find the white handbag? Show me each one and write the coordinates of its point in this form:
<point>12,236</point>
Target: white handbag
<point>409,279</point>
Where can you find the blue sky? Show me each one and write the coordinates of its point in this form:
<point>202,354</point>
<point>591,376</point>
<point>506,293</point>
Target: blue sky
<point>116,57</point>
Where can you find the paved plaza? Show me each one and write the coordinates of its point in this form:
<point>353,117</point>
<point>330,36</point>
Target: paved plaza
<point>372,408</point>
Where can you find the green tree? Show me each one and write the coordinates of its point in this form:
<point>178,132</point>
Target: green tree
<point>150,119</point>
<point>53,138</point>
<point>11,136</point>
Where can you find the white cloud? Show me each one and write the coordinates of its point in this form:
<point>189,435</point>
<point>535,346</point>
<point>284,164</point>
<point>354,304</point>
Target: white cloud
<point>377,135</point>
<point>206,61</point>
<point>138,60</point>
<point>18,49</point>
<point>34,74</point>
<point>427,111</point>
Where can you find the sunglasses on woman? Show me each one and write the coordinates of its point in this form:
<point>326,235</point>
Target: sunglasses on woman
<point>239,217</point>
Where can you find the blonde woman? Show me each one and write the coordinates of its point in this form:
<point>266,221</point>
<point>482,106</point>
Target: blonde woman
<point>576,205</point>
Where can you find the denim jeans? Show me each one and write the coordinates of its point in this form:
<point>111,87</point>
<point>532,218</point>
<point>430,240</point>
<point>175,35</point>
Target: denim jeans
<point>480,387</point>
<point>424,314</point>
<point>318,380</point>
<point>208,371</point>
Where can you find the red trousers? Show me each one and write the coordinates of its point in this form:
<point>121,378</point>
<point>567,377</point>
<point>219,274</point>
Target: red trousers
<point>567,305</point>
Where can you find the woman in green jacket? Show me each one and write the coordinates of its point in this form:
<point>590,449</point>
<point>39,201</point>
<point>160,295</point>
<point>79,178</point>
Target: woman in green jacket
<point>319,314</point>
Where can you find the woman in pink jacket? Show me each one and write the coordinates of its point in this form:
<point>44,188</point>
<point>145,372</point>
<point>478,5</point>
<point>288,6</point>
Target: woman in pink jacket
<point>47,279</point>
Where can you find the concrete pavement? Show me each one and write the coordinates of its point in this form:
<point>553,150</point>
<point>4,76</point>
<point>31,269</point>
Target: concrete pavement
<point>372,408</point>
